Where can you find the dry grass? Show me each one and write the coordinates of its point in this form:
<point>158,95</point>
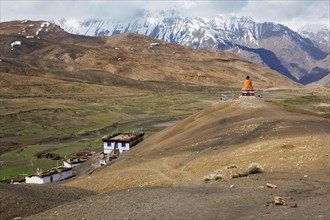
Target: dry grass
<point>233,171</point>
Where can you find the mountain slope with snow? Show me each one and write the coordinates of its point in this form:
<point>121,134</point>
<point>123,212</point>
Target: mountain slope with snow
<point>277,46</point>
<point>318,34</point>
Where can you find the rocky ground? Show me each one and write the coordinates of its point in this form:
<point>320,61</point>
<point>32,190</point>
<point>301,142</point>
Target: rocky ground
<point>243,198</point>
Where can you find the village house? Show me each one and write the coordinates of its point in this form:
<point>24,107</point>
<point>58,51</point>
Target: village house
<point>16,43</point>
<point>53,175</point>
<point>78,158</point>
<point>121,142</point>
<point>73,162</point>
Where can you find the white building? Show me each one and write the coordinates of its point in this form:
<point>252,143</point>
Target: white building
<point>16,43</point>
<point>121,142</point>
<point>54,175</point>
<point>73,162</point>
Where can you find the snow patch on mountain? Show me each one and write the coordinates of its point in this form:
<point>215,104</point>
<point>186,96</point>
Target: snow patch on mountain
<point>175,29</point>
<point>317,32</point>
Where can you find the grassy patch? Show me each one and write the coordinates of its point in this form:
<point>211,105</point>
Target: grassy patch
<point>13,171</point>
<point>305,100</point>
<point>28,168</point>
<point>74,147</point>
<point>312,103</point>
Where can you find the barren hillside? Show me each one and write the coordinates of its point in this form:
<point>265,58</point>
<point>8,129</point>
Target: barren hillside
<point>55,52</point>
<point>232,133</point>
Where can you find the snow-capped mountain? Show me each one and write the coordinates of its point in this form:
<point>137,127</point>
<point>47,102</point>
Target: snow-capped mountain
<point>318,34</point>
<point>219,31</point>
<point>274,45</point>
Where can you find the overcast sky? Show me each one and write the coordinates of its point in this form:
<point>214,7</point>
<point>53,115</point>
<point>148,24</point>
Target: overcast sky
<point>287,12</point>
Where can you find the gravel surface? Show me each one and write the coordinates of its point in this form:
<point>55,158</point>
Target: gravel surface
<point>27,199</point>
<point>244,198</point>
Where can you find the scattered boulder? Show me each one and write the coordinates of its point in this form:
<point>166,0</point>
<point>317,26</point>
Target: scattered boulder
<point>279,200</point>
<point>154,44</point>
<point>269,185</point>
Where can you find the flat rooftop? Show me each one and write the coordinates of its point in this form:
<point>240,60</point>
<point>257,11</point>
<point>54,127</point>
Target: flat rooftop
<point>123,137</point>
<point>53,171</point>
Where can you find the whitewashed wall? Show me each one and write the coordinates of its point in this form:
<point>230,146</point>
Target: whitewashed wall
<point>121,147</point>
<point>37,179</point>
<point>47,179</point>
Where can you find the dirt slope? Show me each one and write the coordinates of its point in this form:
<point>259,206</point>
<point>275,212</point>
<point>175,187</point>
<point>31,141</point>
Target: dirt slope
<point>230,133</point>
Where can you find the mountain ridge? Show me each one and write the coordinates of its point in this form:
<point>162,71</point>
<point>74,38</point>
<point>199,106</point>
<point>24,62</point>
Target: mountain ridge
<point>219,33</point>
<point>318,34</point>
<point>128,55</point>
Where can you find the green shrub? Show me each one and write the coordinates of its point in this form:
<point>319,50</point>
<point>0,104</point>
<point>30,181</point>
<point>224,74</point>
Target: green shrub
<point>213,177</point>
<point>237,175</point>
<point>232,166</point>
<point>254,168</point>
<point>218,177</point>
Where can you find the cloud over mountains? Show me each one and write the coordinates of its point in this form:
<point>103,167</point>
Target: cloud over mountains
<point>290,13</point>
